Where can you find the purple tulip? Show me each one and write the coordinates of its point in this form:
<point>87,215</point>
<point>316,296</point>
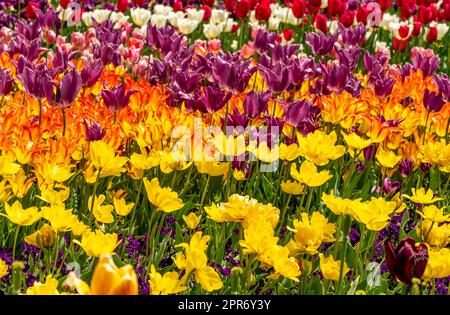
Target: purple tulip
<point>29,50</point>
<point>321,44</point>
<point>427,63</point>
<point>231,72</point>
<point>391,187</point>
<point>48,20</point>
<point>94,131</point>
<point>370,151</point>
<point>405,167</point>
<point>37,82</point>
<point>264,40</point>
<point>69,87</point>
<point>91,73</point>
<point>107,53</point>
<point>256,103</point>
<point>215,99</point>
<point>432,101</point>
<point>425,167</point>
<point>352,36</point>
<point>117,98</point>
<point>407,260</point>
<point>383,86</point>
<point>443,84</point>
<point>27,31</point>
<point>301,68</point>
<point>6,82</point>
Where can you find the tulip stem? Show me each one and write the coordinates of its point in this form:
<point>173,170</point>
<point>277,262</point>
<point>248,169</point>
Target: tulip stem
<point>63,110</point>
<point>94,192</point>
<point>425,130</point>
<point>16,236</point>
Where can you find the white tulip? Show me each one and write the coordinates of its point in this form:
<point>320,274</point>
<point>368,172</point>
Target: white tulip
<point>442,29</point>
<point>119,18</point>
<point>173,17</point>
<point>274,23</point>
<point>212,30</point>
<point>158,20</point>
<point>162,9</point>
<point>332,26</point>
<point>234,44</point>
<point>187,26</point>
<point>101,15</point>
<point>87,18</point>
<point>196,15</point>
<point>228,25</point>
<point>218,16</point>
<point>140,16</point>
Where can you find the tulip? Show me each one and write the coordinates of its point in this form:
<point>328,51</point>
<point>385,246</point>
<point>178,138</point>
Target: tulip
<point>242,9</point>
<point>432,101</point>
<point>263,11</point>
<point>122,5</point>
<point>91,73</point>
<point>406,261</point>
<point>298,8</point>
<point>94,131</point>
<point>117,99</point>
<point>432,34</point>
<point>256,103</point>
<point>321,22</point>
<point>6,82</point>
<point>30,13</point>
<point>64,3</point>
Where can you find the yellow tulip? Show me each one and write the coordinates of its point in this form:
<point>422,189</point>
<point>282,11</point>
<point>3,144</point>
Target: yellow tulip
<point>192,220</point>
<point>356,142</point>
<point>421,196</point>
<point>163,199</point>
<point>434,214</point>
<point>3,268</point>
<point>331,269</point>
<point>107,279</point>
<point>97,243</point>
<point>104,159</point>
<point>292,187</point>
<point>7,166</point>
<point>49,287</point>
<point>165,284</point>
<point>20,216</point>
<point>387,159</point>
<point>309,175</point>
<point>121,207</point>
<point>310,233</point>
<point>42,238</point>
<point>101,213</point>
<point>320,148</point>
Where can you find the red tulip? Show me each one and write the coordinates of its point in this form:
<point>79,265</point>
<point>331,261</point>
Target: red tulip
<point>234,28</point>
<point>122,5</point>
<point>263,11</point>
<point>384,4</point>
<point>287,34</point>
<point>336,7</point>
<point>207,13</point>
<point>403,31</point>
<point>30,14</point>
<point>321,22</point>
<point>298,8</point>
<point>315,3</point>
<point>230,5</point>
<point>242,9</point>
<point>400,44</point>
<point>406,261</point>
<point>64,3</point>
<point>138,3</point>
<point>417,26</point>
<point>425,14</point>
<point>347,18</point>
<point>177,6</point>
<point>432,34</point>
<point>208,2</point>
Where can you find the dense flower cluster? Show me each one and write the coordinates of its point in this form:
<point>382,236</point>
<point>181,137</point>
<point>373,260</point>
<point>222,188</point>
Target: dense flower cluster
<point>244,147</point>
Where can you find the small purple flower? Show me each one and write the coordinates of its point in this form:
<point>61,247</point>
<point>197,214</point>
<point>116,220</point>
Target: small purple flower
<point>425,167</point>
